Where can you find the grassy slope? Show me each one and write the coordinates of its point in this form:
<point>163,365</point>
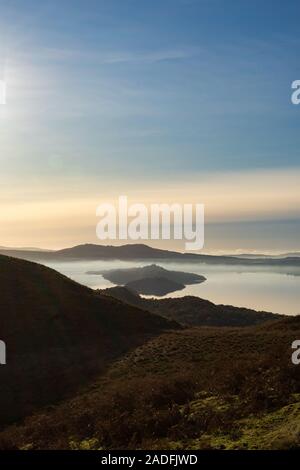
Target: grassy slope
<point>58,335</point>
<point>197,388</point>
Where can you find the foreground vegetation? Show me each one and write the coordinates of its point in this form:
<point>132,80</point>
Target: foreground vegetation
<point>199,388</point>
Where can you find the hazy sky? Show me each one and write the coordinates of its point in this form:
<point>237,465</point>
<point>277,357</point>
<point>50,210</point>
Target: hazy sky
<point>178,100</point>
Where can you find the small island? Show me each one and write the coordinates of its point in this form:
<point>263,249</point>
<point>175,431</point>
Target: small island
<point>151,280</point>
<point>158,286</point>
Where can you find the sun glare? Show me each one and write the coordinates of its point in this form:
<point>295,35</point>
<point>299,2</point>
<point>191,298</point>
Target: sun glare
<point>3,109</point>
<point>2,92</point>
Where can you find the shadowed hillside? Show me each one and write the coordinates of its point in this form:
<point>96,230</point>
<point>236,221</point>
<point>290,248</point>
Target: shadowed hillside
<point>58,334</point>
<point>192,311</point>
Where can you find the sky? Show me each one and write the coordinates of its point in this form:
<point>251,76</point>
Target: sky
<point>168,100</point>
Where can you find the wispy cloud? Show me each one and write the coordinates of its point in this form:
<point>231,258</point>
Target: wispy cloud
<point>152,56</point>
<point>46,54</point>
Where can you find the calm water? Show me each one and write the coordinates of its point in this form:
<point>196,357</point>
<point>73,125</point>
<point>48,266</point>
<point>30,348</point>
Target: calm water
<point>258,288</point>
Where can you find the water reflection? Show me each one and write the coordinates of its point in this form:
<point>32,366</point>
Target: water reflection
<point>274,289</point>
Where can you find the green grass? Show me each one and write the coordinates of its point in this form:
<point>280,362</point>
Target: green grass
<point>279,429</point>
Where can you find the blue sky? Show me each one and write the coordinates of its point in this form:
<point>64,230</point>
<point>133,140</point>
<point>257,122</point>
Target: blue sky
<point>141,91</point>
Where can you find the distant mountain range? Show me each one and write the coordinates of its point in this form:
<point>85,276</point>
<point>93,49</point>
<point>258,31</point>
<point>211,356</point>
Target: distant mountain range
<point>144,252</point>
<point>295,254</point>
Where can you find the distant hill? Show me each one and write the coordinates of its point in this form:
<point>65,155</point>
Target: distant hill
<point>144,252</point>
<point>24,248</point>
<point>290,255</point>
<point>193,311</point>
<point>58,334</point>
<point>295,254</point>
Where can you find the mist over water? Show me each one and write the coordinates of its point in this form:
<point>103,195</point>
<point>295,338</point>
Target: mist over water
<point>273,289</point>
